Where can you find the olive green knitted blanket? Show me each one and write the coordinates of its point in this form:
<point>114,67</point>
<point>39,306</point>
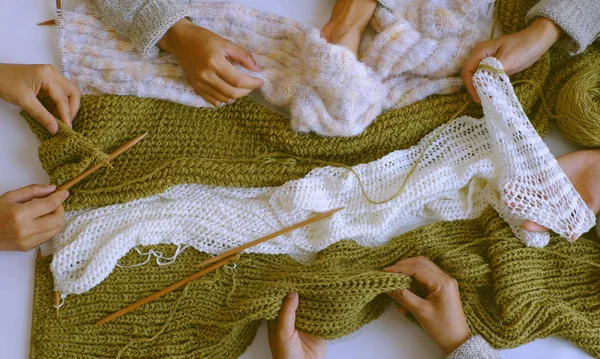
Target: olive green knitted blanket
<point>511,295</point>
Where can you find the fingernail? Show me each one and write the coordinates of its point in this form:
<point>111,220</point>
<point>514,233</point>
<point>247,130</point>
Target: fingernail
<point>67,194</point>
<point>291,295</point>
<point>51,187</point>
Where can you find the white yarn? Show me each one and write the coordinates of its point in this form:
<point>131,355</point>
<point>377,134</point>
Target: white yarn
<point>471,163</point>
<point>324,87</point>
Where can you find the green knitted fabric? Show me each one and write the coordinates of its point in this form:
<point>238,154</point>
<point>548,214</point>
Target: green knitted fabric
<point>511,295</point>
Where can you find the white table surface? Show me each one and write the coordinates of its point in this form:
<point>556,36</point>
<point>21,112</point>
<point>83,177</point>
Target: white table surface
<point>391,336</point>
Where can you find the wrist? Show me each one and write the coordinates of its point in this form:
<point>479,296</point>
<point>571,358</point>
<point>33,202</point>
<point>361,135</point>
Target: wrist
<point>169,42</point>
<point>354,14</point>
<point>546,30</point>
<point>450,347</point>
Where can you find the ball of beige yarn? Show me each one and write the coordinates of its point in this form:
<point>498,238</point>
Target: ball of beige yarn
<point>578,108</point>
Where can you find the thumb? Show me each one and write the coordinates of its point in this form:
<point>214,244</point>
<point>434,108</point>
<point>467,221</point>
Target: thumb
<point>409,300</point>
<point>34,107</point>
<point>243,57</point>
<point>286,323</point>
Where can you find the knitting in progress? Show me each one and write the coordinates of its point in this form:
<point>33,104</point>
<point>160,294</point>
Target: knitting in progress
<point>510,294</point>
<point>324,87</point>
<point>454,173</point>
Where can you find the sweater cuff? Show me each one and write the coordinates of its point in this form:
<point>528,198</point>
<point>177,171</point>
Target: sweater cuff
<point>580,20</point>
<point>152,22</point>
<point>474,347</point>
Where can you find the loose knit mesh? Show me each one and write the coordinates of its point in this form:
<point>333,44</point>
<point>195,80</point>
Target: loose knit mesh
<point>455,173</point>
<point>511,295</point>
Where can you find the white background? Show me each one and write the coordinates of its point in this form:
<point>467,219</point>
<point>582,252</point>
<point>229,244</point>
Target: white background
<point>21,41</point>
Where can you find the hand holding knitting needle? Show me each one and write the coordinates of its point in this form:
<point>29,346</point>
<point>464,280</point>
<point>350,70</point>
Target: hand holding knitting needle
<point>40,90</point>
<point>516,51</point>
<point>30,216</point>
<point>206,59</point>
<point>348,21</point>
<point>286,341</point>
<point>583,170</point>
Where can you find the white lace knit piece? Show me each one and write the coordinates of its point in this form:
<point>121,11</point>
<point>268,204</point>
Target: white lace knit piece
<point>468,165</point>
<point>324,88</point>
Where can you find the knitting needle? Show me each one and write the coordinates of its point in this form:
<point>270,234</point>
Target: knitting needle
<point>47,22</point>
<point>220,260</point>
<point>52,22</point>
<point>168,289</point>
<point>65,186</point>
<point>270,236</point>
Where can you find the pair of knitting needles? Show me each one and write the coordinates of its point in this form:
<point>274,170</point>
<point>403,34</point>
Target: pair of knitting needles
<point>212,263</point>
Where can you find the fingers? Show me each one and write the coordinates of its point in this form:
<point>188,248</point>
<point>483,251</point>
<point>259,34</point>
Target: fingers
<point>74,96</point>
<point>232,76</point>
<point>27,193</point>
<point>480,52</point>
<point>242,57</point>
<point>534,227</point>
<point>225,91</point>
<point>34,107</point>
<point>422,269</point>
<point>41,207</point>
<point>286,322</point>
<point>409,300</point>
<point>51,222</point>
<point>58,95</point>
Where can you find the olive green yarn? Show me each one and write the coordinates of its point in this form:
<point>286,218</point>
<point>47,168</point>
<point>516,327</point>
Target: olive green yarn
<point>511,295</point>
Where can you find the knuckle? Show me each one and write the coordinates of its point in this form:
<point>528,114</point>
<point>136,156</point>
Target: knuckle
<point>22,246</point>
<point>45,70</point>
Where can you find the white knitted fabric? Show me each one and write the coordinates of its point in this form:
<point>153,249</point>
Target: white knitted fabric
<point>324,88</point>
<point>468,165</point>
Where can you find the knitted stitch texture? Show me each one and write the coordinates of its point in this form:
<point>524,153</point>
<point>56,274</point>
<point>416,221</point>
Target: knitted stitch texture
<point>469,164</point>
<point>511,295</point>
<point>324,87</point>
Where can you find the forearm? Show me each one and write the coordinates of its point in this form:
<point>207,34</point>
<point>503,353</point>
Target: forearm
<point>579,20</point>
<point>144,22</point>
<point>474,347</point>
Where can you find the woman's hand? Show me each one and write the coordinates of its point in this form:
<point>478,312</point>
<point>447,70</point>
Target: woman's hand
<point>286,341</point>
<point>348,21</point>
<point>33,86</point>
<point>206,60</point>
<point>583,170</point>
<point>434,301</point>
<point>516,51</point>
<point>30,216</point>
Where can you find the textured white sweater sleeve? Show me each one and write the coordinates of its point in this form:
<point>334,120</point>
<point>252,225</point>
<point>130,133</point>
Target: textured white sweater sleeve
<point>474,348</point>
<point>579,19</point>
<point>143,22</point>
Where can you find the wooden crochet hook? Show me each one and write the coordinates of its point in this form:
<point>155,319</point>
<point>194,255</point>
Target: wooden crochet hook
<point>221,260</point>
<point>72,182</point>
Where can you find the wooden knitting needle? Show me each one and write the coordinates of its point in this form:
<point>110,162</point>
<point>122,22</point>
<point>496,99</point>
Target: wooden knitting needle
<point>47,22</point>
<point>168,289</point>
<point>236,250</point>
<point>221,260</point>
<point>67,185</point>
<point>72,182</point>
<point>52,22</point>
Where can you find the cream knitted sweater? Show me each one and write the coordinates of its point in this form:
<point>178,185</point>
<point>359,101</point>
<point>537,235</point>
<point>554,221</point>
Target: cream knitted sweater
<point>324,88</point>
